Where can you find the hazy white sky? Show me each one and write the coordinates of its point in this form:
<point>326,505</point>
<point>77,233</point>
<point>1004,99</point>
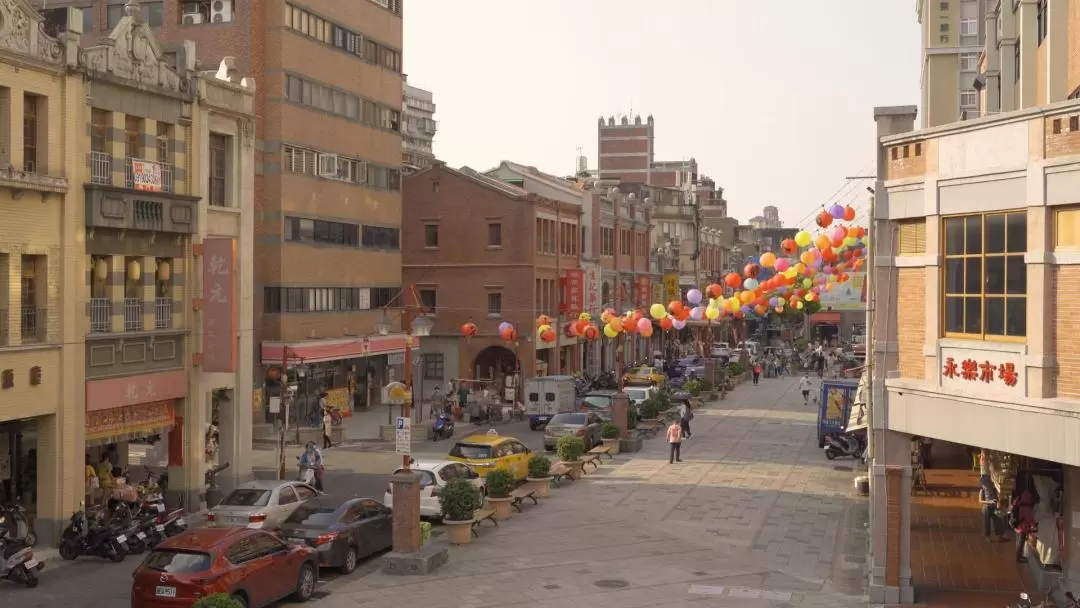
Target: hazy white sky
<point>773,98</point>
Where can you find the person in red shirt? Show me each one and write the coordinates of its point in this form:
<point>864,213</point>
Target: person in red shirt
<point>1023,504</point>
<point>675,437</point>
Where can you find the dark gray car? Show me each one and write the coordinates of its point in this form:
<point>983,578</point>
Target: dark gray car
<point>587,426</point>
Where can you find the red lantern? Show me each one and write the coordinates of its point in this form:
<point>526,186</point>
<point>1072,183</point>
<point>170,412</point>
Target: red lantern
<point>849,213</point>
<point>751,271</point>
<point>824,219</point>
<point>591,333</point>
<point>714,290</point>
<point>733,280</point>
<point>469,330</point>
<point>548,336</point>
<point>509,335</point>
<point>789,246</point>
<point>665,323</point>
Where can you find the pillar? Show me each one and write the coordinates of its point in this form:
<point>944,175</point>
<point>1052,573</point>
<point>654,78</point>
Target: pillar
<point>890,519</point>
<point>1057,52</point>
<point>1070,564</point>
<point>406,500</point>
<point>148,292</point>
<point>1027,29</point>
<point>60,469</point>
<point>117,149</point>
<point>115,288</point>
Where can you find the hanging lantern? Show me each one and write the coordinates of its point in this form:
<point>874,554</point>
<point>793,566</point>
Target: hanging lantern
<point>469,330</point>
<point>134,270</point>
<point>164,270</point>
<point>101,269</point>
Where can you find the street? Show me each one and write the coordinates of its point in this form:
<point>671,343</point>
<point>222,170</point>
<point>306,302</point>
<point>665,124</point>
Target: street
<point>755,513</point>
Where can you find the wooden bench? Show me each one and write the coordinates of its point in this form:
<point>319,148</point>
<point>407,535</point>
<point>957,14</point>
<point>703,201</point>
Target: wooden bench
<point>479,516</point>
<point>559,472</point>
<point>519,495</point>
<point>602,450</point>
<point>646,430</point>
<point>590,458</point>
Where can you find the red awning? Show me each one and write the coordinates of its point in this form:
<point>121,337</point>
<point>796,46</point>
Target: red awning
<point>825,317</point>
<point>319,351</point>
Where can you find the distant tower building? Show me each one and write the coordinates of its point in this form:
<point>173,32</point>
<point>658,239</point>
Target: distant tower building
<point>418,129</point>
<point>582,164</point>
<point>625,149</point>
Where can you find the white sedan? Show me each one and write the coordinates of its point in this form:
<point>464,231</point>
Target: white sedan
<point>434,475</point>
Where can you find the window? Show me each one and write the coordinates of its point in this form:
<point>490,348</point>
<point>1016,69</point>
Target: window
<point>969,62</point>
<point>319,231</point>
<point>969,99</point>
<point>321,97</point>
<point>324,299</point>
<point>1074,124</point>
<point>985,276</point>
<point>32,155</point>
<point>88,19</point>
<point>607,241</point>
<point>152,13</point>
<point>428,299</point>
<point>133,128</point>
<point>379,237</point>
<point>494,303</point>
<point>969,27</point>
<point>494,238</point>
<point>943,5</point>
<point>1041,19</point>
<point>943,28</point>
<point>431,235</point>
<point>219,166</point>
<point>99,130</point>
<point>164,142</point>
<point>918,149</point>
<point>433,366</point>
<point>308,24</point>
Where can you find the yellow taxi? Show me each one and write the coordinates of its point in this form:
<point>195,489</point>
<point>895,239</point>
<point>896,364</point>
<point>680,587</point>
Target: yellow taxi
<point>644,375</point>
<point>491,451</point>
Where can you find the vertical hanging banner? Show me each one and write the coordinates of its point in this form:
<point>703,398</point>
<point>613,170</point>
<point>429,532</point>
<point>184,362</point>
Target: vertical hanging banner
<point>219,305</point>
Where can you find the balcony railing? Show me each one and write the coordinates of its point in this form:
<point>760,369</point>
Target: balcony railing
<point>101,168</point>
<point>3,328</point>
<point>33,324</point>
<point>100,315</point>
<point>157,177</point>
<point>133,320</point>
<point>163,313</point>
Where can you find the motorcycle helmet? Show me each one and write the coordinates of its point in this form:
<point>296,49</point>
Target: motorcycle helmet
<point>309,445</point>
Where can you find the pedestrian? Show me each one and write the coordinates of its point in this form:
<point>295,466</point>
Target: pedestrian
<point>327,426</point>
<point>1022,517</point>
<point>686,414</point>
<point>436,402</point>
<point>988,498</point>
<point>675,437</point>
<point>756,371</point>
<point>805,386</point>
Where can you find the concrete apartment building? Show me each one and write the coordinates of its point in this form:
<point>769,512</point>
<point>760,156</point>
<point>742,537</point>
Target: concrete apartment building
<point>769,219</point>
<point>953,34</point>
<point>128,285</point>
<point>480,250</point>
<point>418,129</point>
<point>976,270</point>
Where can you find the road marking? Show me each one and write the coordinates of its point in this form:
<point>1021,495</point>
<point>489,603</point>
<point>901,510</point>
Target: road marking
<point>705,590</point>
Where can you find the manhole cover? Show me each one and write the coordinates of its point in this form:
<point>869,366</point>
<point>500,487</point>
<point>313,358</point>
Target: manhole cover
<point>842,468</point>
<point>613,583</point>
<point>552,587</point>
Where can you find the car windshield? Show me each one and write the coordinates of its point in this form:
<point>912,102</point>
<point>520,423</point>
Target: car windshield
<point>247,498</point>
<point>575,419</point>
<point>313,515</point>
<point>636,393</point>
<point>471,451</point>
<point>179,562</point>
<point>596,401</point>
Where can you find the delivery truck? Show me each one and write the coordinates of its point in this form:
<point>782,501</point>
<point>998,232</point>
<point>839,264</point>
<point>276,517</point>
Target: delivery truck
<point>546,396</point>
<point>835,403</point>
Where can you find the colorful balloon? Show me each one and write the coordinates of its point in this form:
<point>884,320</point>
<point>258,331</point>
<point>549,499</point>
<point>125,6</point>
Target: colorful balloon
<point>767,259</point>
<point>693,296</point>
<point>803,238</point>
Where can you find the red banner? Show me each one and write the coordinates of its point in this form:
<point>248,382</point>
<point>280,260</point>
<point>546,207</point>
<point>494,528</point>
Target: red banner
<point>642,291</point>
<point>219,305</point>
<point>574,292</point>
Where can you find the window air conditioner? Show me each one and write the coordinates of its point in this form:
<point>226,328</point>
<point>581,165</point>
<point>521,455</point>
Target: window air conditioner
<point>192,18</point>
<point>191,8</point>
<point>221,11</point>
<point>328,165</point>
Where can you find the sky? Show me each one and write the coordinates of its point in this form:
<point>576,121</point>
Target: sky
<point>774,98</point>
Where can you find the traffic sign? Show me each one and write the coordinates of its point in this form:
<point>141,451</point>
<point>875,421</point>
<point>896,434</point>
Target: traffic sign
<point>403,436</point>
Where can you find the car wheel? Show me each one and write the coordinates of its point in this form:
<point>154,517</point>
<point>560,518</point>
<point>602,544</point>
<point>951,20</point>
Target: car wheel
<point>240,598</point>
<point>349,563</point>
<point>305,583</point>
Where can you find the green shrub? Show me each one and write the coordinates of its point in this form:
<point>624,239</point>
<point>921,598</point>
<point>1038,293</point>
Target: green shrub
<point>694,386</point>
<point>736,369</point>
<point>651,407</point>
<point>570,449</point>
<point>539,466</point>
<point>631,418</point>
<point>610,430</point>
<point>218,600</point>
<point>500,483</point>
<point>459,500</point>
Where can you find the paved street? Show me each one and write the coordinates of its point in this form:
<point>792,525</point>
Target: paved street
<point>755,516</point>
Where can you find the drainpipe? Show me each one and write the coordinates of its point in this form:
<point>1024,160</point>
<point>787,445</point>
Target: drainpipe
<point>555,360</point>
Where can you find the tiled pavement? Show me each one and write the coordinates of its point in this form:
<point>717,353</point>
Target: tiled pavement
<point>755,516</point>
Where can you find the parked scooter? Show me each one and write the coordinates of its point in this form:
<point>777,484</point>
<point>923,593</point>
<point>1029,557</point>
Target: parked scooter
<point>17,562</point>
<point>13,518</point>
<point>212,494</point>
<point>843,445</point>
<point>84,536</point>
<point>442,427</point>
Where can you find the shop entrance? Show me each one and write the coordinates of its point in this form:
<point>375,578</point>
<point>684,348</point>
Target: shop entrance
<point>499,365</point>
<point>826,332</point>
<point>18,464</point>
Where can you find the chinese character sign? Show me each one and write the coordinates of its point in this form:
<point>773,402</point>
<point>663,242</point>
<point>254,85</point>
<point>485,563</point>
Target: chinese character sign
<point>219,310</point>
<point>642,291</point>
<point>979,371</point>
<point>575,286</point>
<point>671,287</point>
<point>591,287</point>
<point>145,175</point>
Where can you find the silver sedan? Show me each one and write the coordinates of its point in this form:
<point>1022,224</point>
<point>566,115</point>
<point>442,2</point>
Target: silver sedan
<point>260,504</point>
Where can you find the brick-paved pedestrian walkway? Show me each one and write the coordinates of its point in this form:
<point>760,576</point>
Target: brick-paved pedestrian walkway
<point>754,516</point>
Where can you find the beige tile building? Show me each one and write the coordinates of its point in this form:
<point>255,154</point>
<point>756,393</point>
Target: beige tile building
<point>126,245</point>
<point>953,34</point>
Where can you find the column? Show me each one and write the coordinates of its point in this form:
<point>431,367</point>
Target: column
<point>60,469</point>
<point>117,149</point>
<point>992,72</point>
<point>148,292</point>
<point>10,275</point>
<point>117,277</point>
<point>1040,301</point>
<point>16,134</point>
<point>890,519</point>
<point>1027,28</point>
<point>1070,564</point>
<point>1057,51</point>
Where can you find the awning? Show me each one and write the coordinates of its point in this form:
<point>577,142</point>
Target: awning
<point>129,422</point>
<point>825,317</point>
<point>320,351</point>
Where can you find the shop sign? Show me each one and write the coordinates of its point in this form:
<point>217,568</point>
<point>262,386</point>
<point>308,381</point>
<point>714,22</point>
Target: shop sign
<point>218,314</point>
<point>672,291</point>
<point>145,175</point>
<point>592,287</point>
<point>131,390</point>
<point>129,419</point>
<point>982,371</point>
<point>573,295</point>
<point>642,291</point>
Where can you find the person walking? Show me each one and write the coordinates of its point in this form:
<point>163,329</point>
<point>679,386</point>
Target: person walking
<point>675,437</point>
<point>756,370</point>
<point>327,426</point>
<point>804,387</point>
<point>686,414</point>
<point>988,498</point>
<point>1023,516</point>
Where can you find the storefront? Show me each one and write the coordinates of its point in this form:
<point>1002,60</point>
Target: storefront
<point>18,463</point>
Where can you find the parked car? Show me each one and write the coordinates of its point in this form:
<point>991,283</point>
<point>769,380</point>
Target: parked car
<point>434,475</point>
<point>586,426</point>
<point>720,350</point>
<point>485,453</point>
<point>638,394</point>
<point>253,566</point>
<point>597,402</point>
<point>343,530</point>
<point>260,504</point>
<point>644,375</point>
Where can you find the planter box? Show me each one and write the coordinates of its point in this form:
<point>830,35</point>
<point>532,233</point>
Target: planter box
<point>613,444</point>
<point>628,445</point>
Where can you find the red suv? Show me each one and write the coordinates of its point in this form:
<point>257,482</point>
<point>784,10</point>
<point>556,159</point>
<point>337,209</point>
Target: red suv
<point>254,567</point>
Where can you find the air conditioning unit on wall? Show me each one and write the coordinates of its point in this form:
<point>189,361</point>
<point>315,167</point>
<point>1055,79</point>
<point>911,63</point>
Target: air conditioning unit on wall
<point>192,18</point>
<point>221,11</point>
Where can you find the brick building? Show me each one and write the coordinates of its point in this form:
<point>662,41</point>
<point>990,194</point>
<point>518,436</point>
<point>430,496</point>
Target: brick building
<point>481,250</point>
<point>126,289</point>
<point>626,153</point>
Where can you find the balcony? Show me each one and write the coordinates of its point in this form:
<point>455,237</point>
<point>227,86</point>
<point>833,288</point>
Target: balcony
<point>163,313</point>
<point>101,168</point>
<point>133,313</point>
<point>133,209</point>
<point>33,323</point>
<point>148,175</point>
<point>100,315</point>
<point>18,181</point>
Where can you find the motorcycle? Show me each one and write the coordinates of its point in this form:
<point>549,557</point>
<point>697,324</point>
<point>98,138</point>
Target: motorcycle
<point>845,445</point>
<point>17,563</point>
<point>442,427</point>
<point>83,537</point>
<point>306,473</point>
<point>13,518</point>
<point>212,494</point>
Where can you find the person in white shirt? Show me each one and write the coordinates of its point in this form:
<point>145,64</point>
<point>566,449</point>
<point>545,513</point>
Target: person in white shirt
<point>805,385</point>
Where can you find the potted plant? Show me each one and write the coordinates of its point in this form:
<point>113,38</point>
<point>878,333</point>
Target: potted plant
<point>458,501</point>
<point>610,433</point>
<point>539,474</point>
<point>218,600</point>
<point>570,450</point>
<point>500,483</point>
